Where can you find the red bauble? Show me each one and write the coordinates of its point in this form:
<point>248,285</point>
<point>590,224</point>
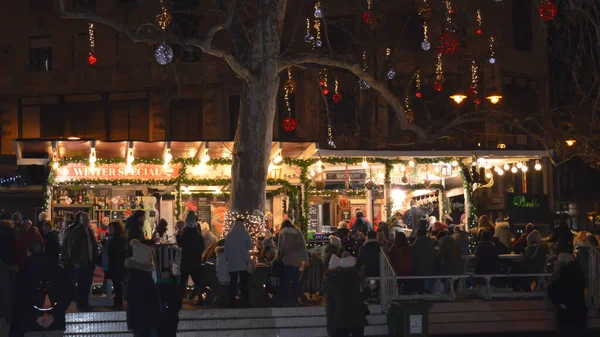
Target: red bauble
<point>92,59</point>
<point>448,43</point>
<point>548,10</point>
<point>473,89</point>
<point>477,101</point>
<point>325,91</point>
<point>418,94</point>
<point>322,83</point>
<point>289,124</point>
<point>337,97</point>
<point>367,17</point>
<point>479,31</point>
<point>437,86</point>
<point>452,9</point>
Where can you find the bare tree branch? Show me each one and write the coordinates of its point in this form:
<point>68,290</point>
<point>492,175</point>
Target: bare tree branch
<point>203,44</point>
<point>381,88</point>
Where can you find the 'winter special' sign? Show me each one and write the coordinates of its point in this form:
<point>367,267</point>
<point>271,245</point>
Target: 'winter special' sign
<point>117,171</point>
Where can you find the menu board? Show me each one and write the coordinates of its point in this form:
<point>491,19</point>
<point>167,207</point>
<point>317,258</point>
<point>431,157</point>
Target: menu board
<point>313,217</point>
<point>203,212</point>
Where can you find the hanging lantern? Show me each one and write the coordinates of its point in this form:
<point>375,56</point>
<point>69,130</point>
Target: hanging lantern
<point>447,43</point>
<point>92,60</point>
<point>163,54</point>
<point>289,124</point>
<point>548,10</point>
<point>494,97</point>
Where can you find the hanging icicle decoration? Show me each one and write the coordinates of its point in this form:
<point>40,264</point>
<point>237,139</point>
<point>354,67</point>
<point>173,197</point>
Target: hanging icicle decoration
<point>318,11</point>
<point>163,53</point>
<point>474,88</point>
<point>492,58</point>
<point>367,15</point>
<point>289,123</point>
<point>439,74</point>
<point>317,43</point>
<point>410,115</point>
<point>323,81</point>
<point>479,29</point>
<point>425,45</point>
<point>362,83</point>
<point>308,38</point>
<point>418,93</point>
<point>337,97</point>
<point>330,140</point>
<point>92,59</point>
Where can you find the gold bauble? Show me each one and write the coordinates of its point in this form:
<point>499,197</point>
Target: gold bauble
<point>425,11</point>
<point>320,184</point>
<point>404,180</point>
<point>164,18</point>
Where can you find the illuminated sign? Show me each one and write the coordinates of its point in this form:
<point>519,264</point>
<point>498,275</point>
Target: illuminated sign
<point>117,171</point>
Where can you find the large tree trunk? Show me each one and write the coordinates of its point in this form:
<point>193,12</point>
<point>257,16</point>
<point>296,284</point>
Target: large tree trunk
<point>254,135</point>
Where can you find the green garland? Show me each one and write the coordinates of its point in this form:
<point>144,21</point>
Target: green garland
<point>178,201</point>
<point>147,161</point>
<point>387,181</point>
<point>305,209</point>
<point>472,214</point>
<point>356,161</point>
<point>413,187</point>
<point>331,193</point>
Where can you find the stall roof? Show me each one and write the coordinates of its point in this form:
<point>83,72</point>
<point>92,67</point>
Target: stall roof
<point>41,151</point>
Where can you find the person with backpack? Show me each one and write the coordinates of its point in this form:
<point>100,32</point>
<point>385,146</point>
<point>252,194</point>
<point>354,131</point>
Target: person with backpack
<point>42,291</point>
<point>361,224</point>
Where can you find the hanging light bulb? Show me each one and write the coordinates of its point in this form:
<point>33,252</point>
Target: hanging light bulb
<point>500,172</point>
<point>444,171</point>
<point>411,163</point>
<point>506,167</point>
<point>278,158</point>
<point>519,165</point>
<point>458,98</point>
<point>513,169</point>
<point>396,168</point>
<point>487,166</point>
<point>524,168</point>
<point>312,172</point>
<point>402,168</point>
<point>488,175</point>
<point>92,156</point>
<point>365,164</point>
<point>205,158</point>
<point>130,157</point>
<point>538,166</point>
<point>455,163</point>
<point>55,164</point>
<point>436,169</point>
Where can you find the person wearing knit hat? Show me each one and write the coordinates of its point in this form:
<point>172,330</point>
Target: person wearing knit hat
<point>334,248</point>
<point>143,306</point>
<point>567,293</point>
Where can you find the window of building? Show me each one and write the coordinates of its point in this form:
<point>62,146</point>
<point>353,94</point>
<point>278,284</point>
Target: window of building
<point>340,33</point>
<point>185,120</point>
<point>41,6</point>
<point>40,53</point>
<point>186,26</point>
<point>86,4</point>
<point>129,120</point>
<point>522,25</point>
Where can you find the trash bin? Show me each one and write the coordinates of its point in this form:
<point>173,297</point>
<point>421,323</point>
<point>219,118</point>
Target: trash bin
<point>408,318</point>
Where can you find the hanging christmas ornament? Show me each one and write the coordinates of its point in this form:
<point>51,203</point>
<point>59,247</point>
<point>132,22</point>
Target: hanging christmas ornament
<point>318,11</point>
<point>548,10</point>
<point>337,97</point>
<point>289,124</point>
<point>425,10</point>
<point>163,54</point>
<point>290,85</point>
<point>308,38</point>
<point>492,58</point>
<point>418,93</point>
<point>439,74</point>
<point>330,140</point>
<point>367,15</point>
<point>474,87</point>
<point>362,83</point>
<point>450,7</point>
<point>447,43</point>
<point>91,59</point>
<point>425,45</point>
<point>323,81</point>
<point>391,72</point>
<point>163,18</point>
<point>410,115</point>
<point>479,29</point>
<point>317,42</point>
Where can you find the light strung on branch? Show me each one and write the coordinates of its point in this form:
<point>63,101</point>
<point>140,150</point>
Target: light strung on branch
<point>418,93</point>
<point>447,40</point>
<point>362,83</point>
<point>289,123</point>
<point>475,87</point>
<point>163,53</point>
<point>318,11</point>
<point>308,38</point>
<point>317,42</point>
<point>439,74</point>
<point>391,72</point>
<point>479,29</point>
<point>492,58</point>
<point>425,10</point>
<point>91,59</point>
<point>323,81</point>
<point>367,15</point>
<point>410,115</point>
<point>337,97</point>
<point>425,45</point>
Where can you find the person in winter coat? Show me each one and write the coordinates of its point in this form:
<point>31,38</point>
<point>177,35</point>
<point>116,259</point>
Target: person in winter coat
<point>115,254</point>
<point>222,273</point>
<point>400,255</point>
<point>462,238</point>
<point>26,235</point>
<point>486,257</point>
<point>83,251</point>
<point>192,247</point>
<point>333,248</point>
<point>413,215</point>
<point>51,240</point>
<point>291,249</point>
<point>237,255</point>
<point>6,297</point>
<point>361,224</point>
<point>134,228</point>
<point>368,256</point>
<point>66,240</point>
<point>501,248</point>
<point>503,233</point>
<point>209,237</point>
<point>521,243</point>
<point>532,262</point>
<point>42,294</point>
<point>345,308</point>
<point>422,259</point>
<point>143,306</point>
<point>170,302</point>
<point>562,238</point>
<point>8,242</point>
<point>342,230</point>
<point>449,256</point>
<point>567,293</point>
<point>352,243</point>
<point>160,231</point>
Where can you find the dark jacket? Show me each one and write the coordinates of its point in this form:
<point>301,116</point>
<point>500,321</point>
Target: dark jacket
<point>78,246</point>
<point>362,225</point>
<point>64,248</point>
<point>116,250</point>
<point>501,248</point>
<point>566,292</point>
<point>449,257</point>
<point>192,247</point>
<point>351,246</point>
<point>40,273</point>
<point>533,261</point>
<point>52,245</point>
<point>423,257</point>
<point>6,291</point>
<point>521,243</point>
<point>143,307</point>
<point>368,258</point>
<point>8,241</point>
<point>342,233</point>
<point>486,259</point>
<point>25,238</point>
<point>563,239</point>
<point>400,257</point>
<point>345,306</point>
<point>170,301</point>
